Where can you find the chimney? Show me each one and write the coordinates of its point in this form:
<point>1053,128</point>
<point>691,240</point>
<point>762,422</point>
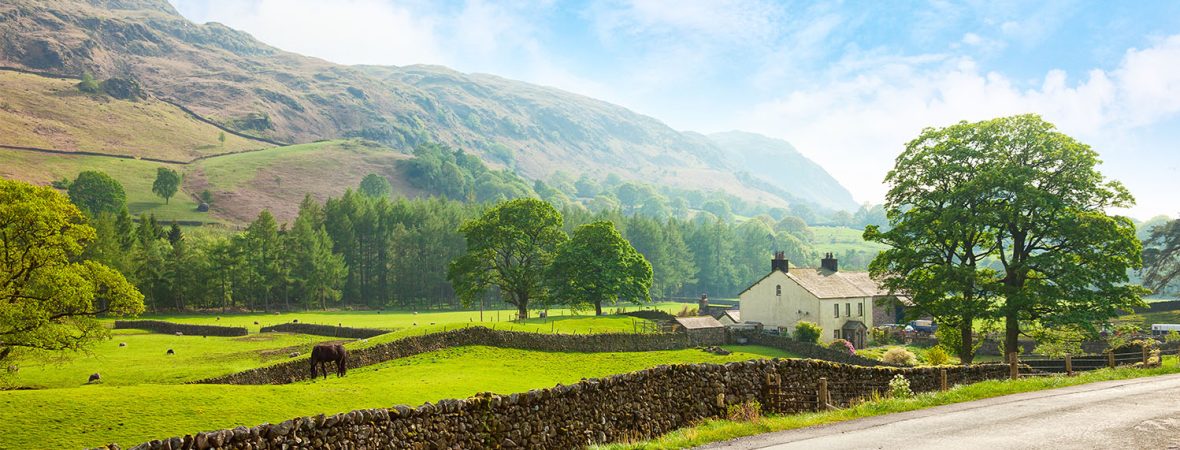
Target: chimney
<point>829,262</point>
<point>779,262</point>
<point>703,305</point>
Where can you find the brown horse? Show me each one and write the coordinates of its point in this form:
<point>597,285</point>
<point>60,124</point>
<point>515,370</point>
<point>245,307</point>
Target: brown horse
<point>323,353</point>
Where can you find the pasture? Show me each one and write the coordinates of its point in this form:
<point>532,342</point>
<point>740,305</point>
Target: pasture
<point>142,395</point>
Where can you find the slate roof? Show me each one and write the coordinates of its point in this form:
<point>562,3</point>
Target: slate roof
<point>734,314</point>
<point>824,283</point>
<point>698,323</point>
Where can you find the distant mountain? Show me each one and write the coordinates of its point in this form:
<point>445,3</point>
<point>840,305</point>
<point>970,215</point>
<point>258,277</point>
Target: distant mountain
<point>779,163</point>
<point>229,78</point>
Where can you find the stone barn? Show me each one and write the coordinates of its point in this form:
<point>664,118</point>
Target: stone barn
<point>700,329</point>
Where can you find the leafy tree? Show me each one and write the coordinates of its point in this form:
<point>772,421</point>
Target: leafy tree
<point>598,265</point>
<point>317,271</point>
<point>88,84</point>
<point>49,296</point>
<point>509,247</point>
<point>95,192</point>
<point>221,138</point>
<point>166,184</point>
<point>375,186</point>
<point>1061,260</point>
<point>1162,256</point>
<point>261,247</point>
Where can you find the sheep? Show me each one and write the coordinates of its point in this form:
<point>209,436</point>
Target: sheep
<point>179,333</point>
<point>294,320</point>
<point>294,354</point>
<point>170,352</point>
<point>122,344</point>
<point>94,377</point>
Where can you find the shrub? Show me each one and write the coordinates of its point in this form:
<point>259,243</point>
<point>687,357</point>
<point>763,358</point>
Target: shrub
<point>750,411</point>
<point>899,356</point>
<point>881,336</point>
<point>1172,336</point>
<point>899,387</point>
<point>842,345</point>
<point>807,332</point>
<point>687,312</point>
<point>937,356</point>
<point>88,84</point>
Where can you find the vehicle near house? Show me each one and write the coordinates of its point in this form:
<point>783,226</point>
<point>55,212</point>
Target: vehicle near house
<point>1161,329</point>
<point>921,326</point>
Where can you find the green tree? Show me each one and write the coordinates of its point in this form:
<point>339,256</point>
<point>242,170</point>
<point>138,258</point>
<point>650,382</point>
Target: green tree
<point>597,265</point>
<point>166,184</point>
<point>49,296</point>
<point>1061,260</point>
<point>509,247</point>
<point>1162,256</point>
<point>221,138</point>
<point>95,192</point>
<point>88,84</point>
<point>317,272</point>
<point>375,186</point>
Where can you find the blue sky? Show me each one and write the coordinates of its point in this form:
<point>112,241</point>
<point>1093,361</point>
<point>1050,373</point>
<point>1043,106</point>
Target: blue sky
<point>848,83</point>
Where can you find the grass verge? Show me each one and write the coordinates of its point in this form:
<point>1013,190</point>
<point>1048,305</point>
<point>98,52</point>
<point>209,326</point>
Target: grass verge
<point>721,430</point>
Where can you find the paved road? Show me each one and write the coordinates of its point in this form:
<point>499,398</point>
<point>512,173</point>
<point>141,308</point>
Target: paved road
<point>1142,413</point>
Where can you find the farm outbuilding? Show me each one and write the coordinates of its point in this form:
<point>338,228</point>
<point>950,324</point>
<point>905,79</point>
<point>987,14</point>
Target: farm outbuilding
<point>702,329</point>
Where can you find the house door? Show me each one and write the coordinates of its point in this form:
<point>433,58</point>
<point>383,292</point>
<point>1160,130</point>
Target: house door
<point>856,337</point>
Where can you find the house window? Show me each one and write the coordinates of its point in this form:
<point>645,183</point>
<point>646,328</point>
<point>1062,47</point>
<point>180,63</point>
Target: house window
<point>837,305</point>
<point>860,309</point>
<point>836,333</point>
<point>848,310</point>
<point>778,290</point>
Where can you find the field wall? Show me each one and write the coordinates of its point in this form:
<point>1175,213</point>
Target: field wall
<point>160,326</point>
<point>299,369</point>
<point>325,330</point>
<point>636,405</point>
<point>802,349</point>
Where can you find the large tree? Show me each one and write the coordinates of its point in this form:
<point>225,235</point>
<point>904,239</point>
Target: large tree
<point>375,186</point>
<point>166,184</point>
<point>1162,256</point>
<point>49,296</point>
<point>597,265</point>
<point>509,247</point>
<point>1037,196</point>
<point>96,192</point>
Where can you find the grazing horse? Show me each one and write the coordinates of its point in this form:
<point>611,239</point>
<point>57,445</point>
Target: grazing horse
<point>323,353</point>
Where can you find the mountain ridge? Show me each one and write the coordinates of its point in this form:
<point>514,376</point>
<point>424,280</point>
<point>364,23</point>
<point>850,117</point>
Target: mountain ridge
<point>241,83</point>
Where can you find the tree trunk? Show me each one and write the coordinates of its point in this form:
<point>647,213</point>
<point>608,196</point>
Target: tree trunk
<point>598,307</point>
<point>967,342</point>
<point>1011,333</point>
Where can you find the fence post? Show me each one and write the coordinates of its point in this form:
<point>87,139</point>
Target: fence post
<point>822,398</point>
<point>1068,364</point>
<point>1110,358</point>
<point>942,376</point>
<point>1144,355</point>
<point>1014,365</point>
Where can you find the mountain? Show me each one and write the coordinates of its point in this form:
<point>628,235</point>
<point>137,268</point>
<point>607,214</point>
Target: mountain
<point>230,79</point>
<point>779,163</point>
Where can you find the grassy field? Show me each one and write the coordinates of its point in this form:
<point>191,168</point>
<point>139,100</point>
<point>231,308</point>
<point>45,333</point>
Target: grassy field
<point>721,430</point>
<point>136,176</point>
<point>841,239</point>
<point>145,359</point>
<point>52,113</point>
<point>103,413</point>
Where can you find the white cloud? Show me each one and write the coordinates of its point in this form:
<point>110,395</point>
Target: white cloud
<point>856,125</point>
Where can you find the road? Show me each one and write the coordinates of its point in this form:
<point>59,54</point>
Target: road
<point>1127,414</point>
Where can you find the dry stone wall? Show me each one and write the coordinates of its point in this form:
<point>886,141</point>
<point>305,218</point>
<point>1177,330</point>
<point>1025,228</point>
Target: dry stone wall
<point>801,348</point>
<point>636,405</point>
<point>160,326</point>
<point>299,369</point>
<point>325,330</point>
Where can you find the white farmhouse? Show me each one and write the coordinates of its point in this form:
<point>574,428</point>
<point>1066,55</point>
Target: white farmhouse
<point>844,304</point>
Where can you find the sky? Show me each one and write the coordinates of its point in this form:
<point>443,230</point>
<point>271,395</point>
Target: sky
<point>847,83</point>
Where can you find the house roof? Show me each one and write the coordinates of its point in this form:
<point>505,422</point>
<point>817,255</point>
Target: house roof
<point>824,283</point>
<point>698,323</point>
<point>734,314</point>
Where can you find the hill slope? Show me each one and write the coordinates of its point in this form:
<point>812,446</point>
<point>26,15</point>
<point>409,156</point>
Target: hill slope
<point>778,162</point>
<point>229,77</point>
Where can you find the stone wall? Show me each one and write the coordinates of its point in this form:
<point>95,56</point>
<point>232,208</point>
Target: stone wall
<point>325,330</point>
<point>299,369</point>
<point>802,349</point>
<point>630,406</point>
<point>160,326</point>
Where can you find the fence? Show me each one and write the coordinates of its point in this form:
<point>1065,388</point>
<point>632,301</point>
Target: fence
<point>1038,365</point>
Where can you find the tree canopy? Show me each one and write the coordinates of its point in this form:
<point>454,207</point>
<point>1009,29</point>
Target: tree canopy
<point>95,192</point>
<point>1162,256</point>
<point>48,294</point>
<point>509,247</point>
<point>375,186</point>
<point>597,265</point>
<point>166,184</point>
<point>1029,199</point>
